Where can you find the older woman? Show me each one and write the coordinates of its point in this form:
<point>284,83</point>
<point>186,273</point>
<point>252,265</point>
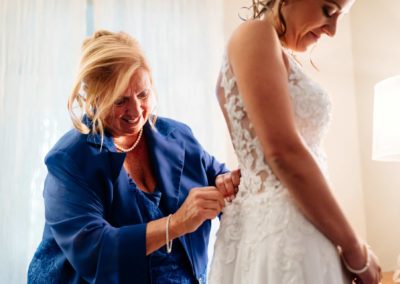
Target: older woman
<point>284,226</point>
<point>128,196</point>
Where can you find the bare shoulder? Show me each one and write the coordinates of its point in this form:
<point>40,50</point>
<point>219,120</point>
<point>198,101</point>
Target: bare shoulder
<point>253,37</point>
<point>254,29</point>
<point>255,54</point>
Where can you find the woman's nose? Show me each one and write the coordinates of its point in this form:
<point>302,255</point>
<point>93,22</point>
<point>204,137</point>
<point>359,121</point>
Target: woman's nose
<point>134,106</point>
<point>330,28</point>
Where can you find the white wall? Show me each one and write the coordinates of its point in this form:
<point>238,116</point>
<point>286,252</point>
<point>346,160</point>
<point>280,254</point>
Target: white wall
<point>376,52</point>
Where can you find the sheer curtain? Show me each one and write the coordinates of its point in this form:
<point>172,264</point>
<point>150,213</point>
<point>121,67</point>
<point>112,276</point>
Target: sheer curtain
<point>39,47</point>
<point>39,51</point>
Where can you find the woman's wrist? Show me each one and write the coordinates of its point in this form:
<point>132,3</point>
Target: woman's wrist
<point>355,257</point>
<point>175,229</point>
<point>362,269</point>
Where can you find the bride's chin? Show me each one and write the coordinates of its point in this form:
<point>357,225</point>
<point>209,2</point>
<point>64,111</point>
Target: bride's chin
<point>302,47</point>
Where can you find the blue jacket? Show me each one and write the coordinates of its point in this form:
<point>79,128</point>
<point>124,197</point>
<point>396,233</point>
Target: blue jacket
<point>94,230</point>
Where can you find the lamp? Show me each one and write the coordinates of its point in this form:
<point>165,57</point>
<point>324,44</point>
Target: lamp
<point>386,128</point>
<point>386,124</point>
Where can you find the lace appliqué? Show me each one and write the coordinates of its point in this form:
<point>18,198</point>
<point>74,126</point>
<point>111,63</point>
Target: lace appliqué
<point>263,206</point>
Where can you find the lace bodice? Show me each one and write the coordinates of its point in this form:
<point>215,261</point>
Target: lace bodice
<point>263,236</point>
<point>311,106</point>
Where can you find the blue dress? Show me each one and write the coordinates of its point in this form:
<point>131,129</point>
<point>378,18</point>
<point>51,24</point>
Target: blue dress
<point>95,229</point>
<point>165,268</point>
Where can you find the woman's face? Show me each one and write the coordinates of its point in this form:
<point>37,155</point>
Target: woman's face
<point>307,20</point>
<point>132,109</point>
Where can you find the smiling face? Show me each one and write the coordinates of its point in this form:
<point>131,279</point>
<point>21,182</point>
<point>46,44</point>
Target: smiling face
<point>307,20</point>
<point>132,108</point>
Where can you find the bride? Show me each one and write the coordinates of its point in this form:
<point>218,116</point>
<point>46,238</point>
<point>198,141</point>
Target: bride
<point>284,226</point>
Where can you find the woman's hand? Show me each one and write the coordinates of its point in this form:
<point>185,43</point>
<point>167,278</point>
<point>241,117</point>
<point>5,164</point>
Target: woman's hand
<point>201,204</point>
<point>373,275</point>
<point>228,184</point>
<point>356,260</point>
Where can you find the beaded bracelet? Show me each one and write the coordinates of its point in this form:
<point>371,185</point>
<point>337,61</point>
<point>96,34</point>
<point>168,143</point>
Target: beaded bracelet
<point>356,271</point>
<point>167,240</point>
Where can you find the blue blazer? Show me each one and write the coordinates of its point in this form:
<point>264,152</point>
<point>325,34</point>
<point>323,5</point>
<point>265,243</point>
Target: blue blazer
<point>94,231</point>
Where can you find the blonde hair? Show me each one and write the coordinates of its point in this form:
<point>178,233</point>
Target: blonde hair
<point>107,64</point>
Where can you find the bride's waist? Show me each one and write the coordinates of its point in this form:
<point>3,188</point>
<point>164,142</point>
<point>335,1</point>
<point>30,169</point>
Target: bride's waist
<point>256,183</point>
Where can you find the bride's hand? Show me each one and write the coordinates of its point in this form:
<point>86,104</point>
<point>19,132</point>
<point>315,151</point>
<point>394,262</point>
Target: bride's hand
<point>374,274</point>
<point>228,184</point>
<point>369,272</point>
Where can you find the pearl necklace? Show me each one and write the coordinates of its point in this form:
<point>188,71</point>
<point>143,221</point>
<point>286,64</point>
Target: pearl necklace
<point>134,144</point>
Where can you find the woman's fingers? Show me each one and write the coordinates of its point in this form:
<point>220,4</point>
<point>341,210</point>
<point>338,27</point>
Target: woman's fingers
<point>220,185</point>
<point>209,197</point>
<point>204,198</point>
<point>200,205</point>
<point>228,183</point>
<point>373,274</point>
<point>203,203</point>
<point>210,214</point>
<point>236,174</point>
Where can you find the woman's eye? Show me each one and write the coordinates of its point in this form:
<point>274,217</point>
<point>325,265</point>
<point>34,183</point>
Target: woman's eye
<point>119,102</point>
<point>328,11</point>
<point>144,94</point>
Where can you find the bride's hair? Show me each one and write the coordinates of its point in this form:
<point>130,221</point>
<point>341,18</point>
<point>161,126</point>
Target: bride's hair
<point>259,7</point>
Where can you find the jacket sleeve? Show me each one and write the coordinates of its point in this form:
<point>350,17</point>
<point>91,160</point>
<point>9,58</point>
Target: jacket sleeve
<point>212,166</point>
<point>74,210</point>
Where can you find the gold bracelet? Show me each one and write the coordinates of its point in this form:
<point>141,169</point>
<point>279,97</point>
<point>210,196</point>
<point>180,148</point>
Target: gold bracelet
<point>167,240</point>
<point>356,271</point>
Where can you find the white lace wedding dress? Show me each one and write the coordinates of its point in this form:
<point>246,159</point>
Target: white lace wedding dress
<point>263,237</point>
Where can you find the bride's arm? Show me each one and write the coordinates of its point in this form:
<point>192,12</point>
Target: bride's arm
<point>256,58</point>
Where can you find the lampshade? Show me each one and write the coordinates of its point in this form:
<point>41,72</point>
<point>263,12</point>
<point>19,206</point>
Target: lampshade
<point>386,124</point>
